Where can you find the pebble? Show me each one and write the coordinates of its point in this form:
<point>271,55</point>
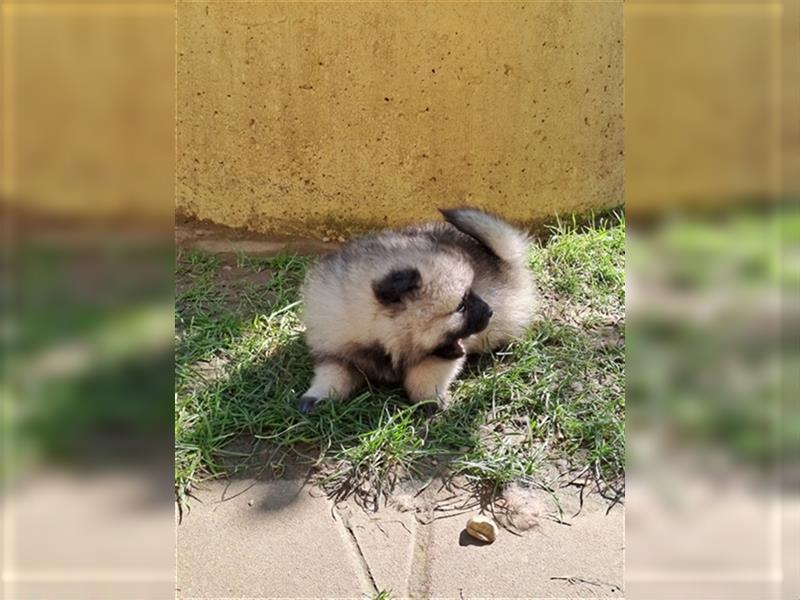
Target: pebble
<point>482,528</point>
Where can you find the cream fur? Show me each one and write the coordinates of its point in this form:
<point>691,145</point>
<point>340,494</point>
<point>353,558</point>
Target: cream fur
<point>333,380</point>
<point>431,378</point>
<point>478,253</point>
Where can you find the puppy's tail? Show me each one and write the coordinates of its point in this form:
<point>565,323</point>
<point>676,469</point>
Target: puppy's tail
<point>502,239</point>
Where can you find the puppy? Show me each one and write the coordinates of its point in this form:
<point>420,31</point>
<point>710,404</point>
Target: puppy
<point>407,306</point>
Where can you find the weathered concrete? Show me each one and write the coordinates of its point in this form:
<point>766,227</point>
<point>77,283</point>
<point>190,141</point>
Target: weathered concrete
<point>88,109</point>
<point>224,240</point>
<point>695,531</point>
<point>91,534</point>
<point>703,104</point>
<point>88,128</point>
<point>387,541</point>
<point>274,539</point>
<point>583,560</point>
<point>324,118</point>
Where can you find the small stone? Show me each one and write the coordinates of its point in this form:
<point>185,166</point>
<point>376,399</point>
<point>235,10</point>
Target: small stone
<point>482,528</point>
<point>326,239</point>
<point>249,503</point>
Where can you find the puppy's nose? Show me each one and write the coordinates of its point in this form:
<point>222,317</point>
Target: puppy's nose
<point>489,312</point>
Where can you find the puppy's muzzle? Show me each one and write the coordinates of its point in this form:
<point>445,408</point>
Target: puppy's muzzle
<point>478,315</point>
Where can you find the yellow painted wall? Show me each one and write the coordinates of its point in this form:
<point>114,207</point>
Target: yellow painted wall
<point>319,118</point>
<point>88,110</point>
<point>88,128</point>
<point>703,104</point>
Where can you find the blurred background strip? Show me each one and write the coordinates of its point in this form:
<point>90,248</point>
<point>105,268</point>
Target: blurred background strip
<point>713,250</point>
<point>712,156</point>
<point>87,296</point>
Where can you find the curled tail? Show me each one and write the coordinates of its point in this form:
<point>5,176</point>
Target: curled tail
<point>502,239</point>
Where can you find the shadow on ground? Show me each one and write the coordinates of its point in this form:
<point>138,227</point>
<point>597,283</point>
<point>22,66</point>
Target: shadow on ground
<point>359,448</point>
<point>241,363</point>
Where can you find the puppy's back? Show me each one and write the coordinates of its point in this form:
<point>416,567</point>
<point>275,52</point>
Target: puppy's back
<point>338,291</point>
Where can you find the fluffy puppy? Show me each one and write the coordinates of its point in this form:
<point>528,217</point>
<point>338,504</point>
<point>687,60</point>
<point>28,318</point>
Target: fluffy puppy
<point>407,306</point>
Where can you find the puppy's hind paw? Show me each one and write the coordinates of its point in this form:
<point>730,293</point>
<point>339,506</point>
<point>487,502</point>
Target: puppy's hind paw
<point>306,404</point>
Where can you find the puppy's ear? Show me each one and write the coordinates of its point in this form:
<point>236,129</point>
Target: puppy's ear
<point>393,287</point>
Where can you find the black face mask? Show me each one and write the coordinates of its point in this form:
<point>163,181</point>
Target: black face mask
<point>476,318</point>
<point>478,314</point>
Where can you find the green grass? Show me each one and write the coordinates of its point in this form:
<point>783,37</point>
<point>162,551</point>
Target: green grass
<point>87,354</point>
<point>713,340</point>
<point>557,395</point>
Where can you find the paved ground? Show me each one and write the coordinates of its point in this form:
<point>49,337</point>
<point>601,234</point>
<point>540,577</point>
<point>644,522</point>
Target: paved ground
<point>281,539</point>
<point>93,534</point>
<point>261,539</point>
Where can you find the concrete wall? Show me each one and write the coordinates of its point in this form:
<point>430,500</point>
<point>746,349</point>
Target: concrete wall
<point>703,103</point>
<point>88,110</point>
<point>320,118</point>
<point>88,104</point>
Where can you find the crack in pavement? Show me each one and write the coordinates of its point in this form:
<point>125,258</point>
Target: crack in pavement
<point>366,572</point>
<point>418,584</point>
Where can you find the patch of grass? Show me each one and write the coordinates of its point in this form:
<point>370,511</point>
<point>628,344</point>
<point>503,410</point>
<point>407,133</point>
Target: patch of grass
<point>557,394</point>
<point>88,351</point>
<point>714,339</point>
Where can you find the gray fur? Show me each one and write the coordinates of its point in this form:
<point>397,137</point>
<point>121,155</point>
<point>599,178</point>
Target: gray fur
<point>404,306</point>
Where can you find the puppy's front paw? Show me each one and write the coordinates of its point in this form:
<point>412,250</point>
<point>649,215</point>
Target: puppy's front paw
<point>430,408</point>
<point>429,405</point>
<point>306,404</point>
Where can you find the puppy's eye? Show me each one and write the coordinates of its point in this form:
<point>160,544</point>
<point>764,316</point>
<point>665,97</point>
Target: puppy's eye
<point>462,307</point>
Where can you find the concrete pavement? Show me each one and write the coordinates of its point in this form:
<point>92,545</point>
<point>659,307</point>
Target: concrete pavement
<point>282,539</point>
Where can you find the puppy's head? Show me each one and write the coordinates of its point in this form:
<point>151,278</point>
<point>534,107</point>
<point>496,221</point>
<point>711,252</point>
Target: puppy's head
<point>431,306</point>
